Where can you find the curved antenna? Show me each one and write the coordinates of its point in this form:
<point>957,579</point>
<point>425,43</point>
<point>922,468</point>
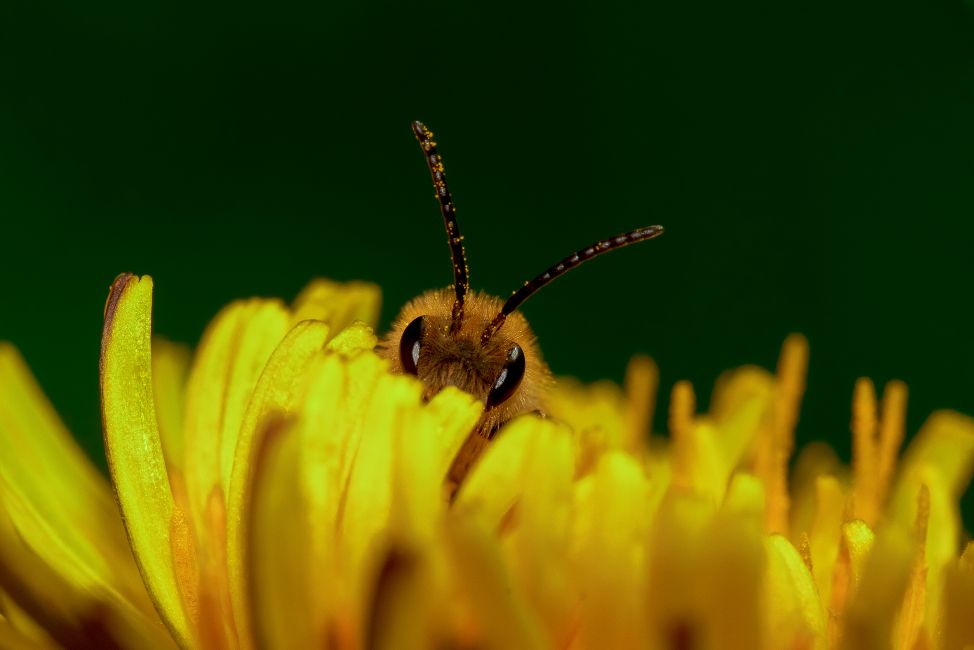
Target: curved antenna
<point>461,283</point>
<point>598,248</point>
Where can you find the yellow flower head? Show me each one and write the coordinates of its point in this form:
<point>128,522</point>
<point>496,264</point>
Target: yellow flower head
<point>281,488</point>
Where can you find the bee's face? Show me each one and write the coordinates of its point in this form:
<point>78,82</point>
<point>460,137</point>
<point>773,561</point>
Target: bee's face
<point>506,373</point>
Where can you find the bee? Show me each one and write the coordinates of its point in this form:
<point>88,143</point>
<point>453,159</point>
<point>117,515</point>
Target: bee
<point>474,341</point>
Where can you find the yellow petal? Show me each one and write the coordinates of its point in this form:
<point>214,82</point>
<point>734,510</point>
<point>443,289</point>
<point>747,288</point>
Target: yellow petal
<point>825,534</point>
<point>62,594</point>
<point>402,613</point>
<point>502,618</point>
<point>369,497</point>
<point>132,443</point>
<point>855,545</point>
<point>959,601</point>
<point>277,549</point>
<point>496,480</point>
<point>170,367</point>
<point>46,470</point>
<point>541,536</point>
<point>331,427</point>
<point>732,566</point>
<point>740,401</point>
<point>815,461</point>
<point>610,554</point>
<point>338,304</point>
<point>794,613</point>
<point>596,413</point>
<point>357,337</point>
<point>879,596</point>
<point>231,357</point>
<point>21,630</point>
<point>423,448</point>
<point>676,542</point>
<point>273,395</point>
<point>940,457</point>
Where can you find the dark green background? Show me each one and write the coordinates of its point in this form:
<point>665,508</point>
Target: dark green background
<point>813,164</point>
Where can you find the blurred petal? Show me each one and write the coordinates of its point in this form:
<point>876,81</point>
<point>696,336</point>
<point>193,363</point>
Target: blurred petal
<point>338,304</point>
<point>132,444</point>
<point>940,457</point>
<point>502,618</point>
<point>795,614</point>
<point>541,539</point>
<point>732,568</point>
<point>595,412</point>
<point>496,481</point>
<point>366,518</point>
<point>46,470</point>
<point>740,401</point>
<point>170,368</point>
<point>959,601</point>
<point>855,545</point>
<point>401,611</point>
<point>825,534</point>
<point>77,608</point>
<point>423,449</point>
<point>869,619</point>
<point>611,555</point>
<point>336,393</point>
<point>231,357</point>
<point>676,543</point>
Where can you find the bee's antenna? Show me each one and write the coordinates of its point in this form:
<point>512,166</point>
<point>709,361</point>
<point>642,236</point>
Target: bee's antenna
<point>460,280</point>
<point>532,286</point>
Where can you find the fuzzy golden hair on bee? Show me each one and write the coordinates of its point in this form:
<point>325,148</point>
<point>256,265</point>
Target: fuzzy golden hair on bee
<point>477,342</point>
<point>462,359</point>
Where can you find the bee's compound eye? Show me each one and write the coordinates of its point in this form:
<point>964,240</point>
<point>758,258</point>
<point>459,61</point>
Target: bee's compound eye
<point>510,377</point>
<point>410,344</point>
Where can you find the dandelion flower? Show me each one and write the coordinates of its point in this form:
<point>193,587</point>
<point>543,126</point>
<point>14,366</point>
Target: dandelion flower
<point>280,488</point>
